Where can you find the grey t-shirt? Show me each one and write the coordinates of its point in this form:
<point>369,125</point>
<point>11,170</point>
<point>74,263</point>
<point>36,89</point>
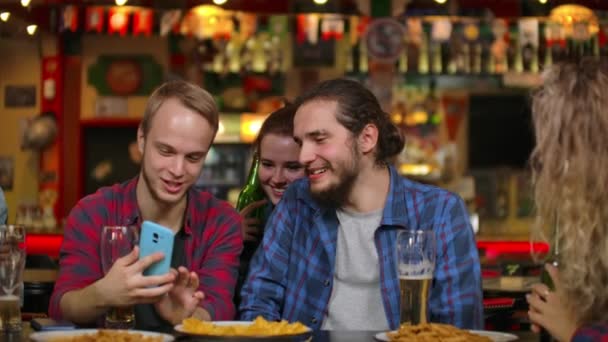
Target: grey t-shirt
<point>356,300</point>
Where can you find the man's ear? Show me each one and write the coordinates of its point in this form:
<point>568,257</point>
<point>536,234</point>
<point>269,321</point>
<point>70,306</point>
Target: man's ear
<point>141,140</point>
<point>368,138</point>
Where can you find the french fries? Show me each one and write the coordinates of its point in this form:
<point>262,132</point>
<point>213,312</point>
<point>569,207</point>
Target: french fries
<point>260,327</point>
<point>434,332</point>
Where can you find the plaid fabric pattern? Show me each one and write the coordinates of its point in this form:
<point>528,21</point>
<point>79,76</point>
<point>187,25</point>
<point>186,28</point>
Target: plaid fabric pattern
<point>213,245</point>
<point>291,274</point>
<point>592,333</point>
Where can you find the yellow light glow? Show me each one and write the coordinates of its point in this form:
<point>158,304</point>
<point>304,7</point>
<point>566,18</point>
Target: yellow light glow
<point>440,1</point>
<point>320,2</point>
<point>25,3</point>
<point>120,2</point>
<point>250,126</point>
<point>219,2</point>
<point>542,1</point>
<point>31,29</point>
<point>208,10</point>
<point>221,129</point>
<point>4,16</point>
<point>415,169</point>
<point>568,15</point>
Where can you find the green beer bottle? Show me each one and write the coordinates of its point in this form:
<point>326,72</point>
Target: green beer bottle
<point>545,278</point>
<point>252,191</point>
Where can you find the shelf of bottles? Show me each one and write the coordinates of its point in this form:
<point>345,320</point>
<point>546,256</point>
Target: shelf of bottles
<point>468,47</point>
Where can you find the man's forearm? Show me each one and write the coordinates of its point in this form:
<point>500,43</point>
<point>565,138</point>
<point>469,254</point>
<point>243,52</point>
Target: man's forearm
<point>82,306</point>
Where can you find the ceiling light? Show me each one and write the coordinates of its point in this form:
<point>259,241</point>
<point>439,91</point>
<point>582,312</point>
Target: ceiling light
<point>320,2</point>
<point>120,2</point>
<point>4,16</point>
<point>31,29</point>
<point>440,1</point>
<point>542,1</point>
<point>219,2</point>
<point>25,3</point>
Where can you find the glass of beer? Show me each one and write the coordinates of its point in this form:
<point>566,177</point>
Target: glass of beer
<point>416,252</point>
<point>12,264</point>
<point>116,242</point>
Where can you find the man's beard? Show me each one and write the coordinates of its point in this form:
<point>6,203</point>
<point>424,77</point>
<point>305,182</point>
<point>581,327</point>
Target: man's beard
<point>336,194</point>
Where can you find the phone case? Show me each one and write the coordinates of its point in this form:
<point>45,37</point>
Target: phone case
<point>156,238</point>
<point>49,324</point>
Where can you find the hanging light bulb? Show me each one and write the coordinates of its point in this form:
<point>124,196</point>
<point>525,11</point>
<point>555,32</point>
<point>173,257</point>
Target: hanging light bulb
<point>25,3</point>
<point>219,2</point>
<point>31,29</point>
<point>320,2</point>
<point>120,2</point>
<point>542,1</point>
<point>4,16</point>
<point>440,1</point>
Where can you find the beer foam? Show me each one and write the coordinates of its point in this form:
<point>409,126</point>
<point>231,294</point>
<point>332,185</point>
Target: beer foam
<point>8,298</point>
<point>423,269</point>
<point>416,277</point>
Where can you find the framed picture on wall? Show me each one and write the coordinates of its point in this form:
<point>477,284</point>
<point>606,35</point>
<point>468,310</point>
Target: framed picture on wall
<point>7,172</point>
<point>109,153</point>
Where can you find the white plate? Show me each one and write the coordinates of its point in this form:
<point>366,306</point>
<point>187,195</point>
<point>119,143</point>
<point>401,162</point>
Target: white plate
<point>494,335</point>
<point>44,336</point>
<point>180,328</point>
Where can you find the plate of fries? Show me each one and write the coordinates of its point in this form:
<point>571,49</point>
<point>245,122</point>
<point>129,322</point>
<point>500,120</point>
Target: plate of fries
<point>442,333</point>
<point>258,328</point>
<point>89,335</point>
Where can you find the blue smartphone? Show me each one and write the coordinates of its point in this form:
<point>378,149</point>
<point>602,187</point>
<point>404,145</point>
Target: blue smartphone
<point>156,238</point>
<point>49,324</point>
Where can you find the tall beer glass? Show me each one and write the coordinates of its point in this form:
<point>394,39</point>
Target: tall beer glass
<point>116,242</point>
<point>416,253</point>
<point>12,264</point>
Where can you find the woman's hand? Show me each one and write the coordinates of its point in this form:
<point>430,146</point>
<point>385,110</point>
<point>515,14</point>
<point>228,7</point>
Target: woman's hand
<point>548,309</point>
<point>251,226</point>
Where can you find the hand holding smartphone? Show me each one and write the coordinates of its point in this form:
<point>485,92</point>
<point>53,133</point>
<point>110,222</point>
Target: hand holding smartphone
<point>156,238</point>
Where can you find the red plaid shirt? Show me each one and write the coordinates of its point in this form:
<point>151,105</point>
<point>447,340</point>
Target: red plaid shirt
<point>213,245</point>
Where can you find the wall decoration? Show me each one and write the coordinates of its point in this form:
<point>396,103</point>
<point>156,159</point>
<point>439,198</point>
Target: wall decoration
<point>7,172</point>
<point>125,75</point>
<point>108,160</point>
<point>16,96</point>
<point>111,106</point>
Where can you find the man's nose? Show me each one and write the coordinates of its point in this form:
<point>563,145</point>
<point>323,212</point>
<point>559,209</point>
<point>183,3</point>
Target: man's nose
<point>307,154</point>
<point>177,166</point>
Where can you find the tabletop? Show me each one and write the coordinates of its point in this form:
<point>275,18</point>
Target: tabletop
<point>320,336</point>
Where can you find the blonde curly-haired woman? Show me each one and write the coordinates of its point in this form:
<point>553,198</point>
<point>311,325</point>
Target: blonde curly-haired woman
<point>570,167</point>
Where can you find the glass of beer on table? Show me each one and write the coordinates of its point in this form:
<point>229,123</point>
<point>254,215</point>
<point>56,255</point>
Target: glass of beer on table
<point>12,264</point>
<point>416,252</point>
<point>116,242</point>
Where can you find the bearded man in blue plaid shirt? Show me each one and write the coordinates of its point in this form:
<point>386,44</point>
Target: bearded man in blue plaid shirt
<point>328,256</point>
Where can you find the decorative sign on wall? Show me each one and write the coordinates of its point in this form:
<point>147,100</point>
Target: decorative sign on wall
<point>19,96</point>
<point>125,75</point>
<point>7,172</point>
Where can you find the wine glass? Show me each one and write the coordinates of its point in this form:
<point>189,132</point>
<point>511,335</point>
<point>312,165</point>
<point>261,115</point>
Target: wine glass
<point>116,242</point>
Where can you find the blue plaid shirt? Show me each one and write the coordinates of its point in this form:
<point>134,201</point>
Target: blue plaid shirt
<point>291,274</point>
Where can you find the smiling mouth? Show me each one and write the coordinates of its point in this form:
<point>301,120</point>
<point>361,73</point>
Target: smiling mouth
<point>316,172</point>
<point>172,187</point>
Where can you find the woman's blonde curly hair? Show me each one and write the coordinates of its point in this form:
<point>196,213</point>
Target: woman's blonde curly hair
<point>570,172</point>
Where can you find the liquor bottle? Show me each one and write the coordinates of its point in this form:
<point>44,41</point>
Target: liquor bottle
<point>252,191</point>
<point>545,278</point>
